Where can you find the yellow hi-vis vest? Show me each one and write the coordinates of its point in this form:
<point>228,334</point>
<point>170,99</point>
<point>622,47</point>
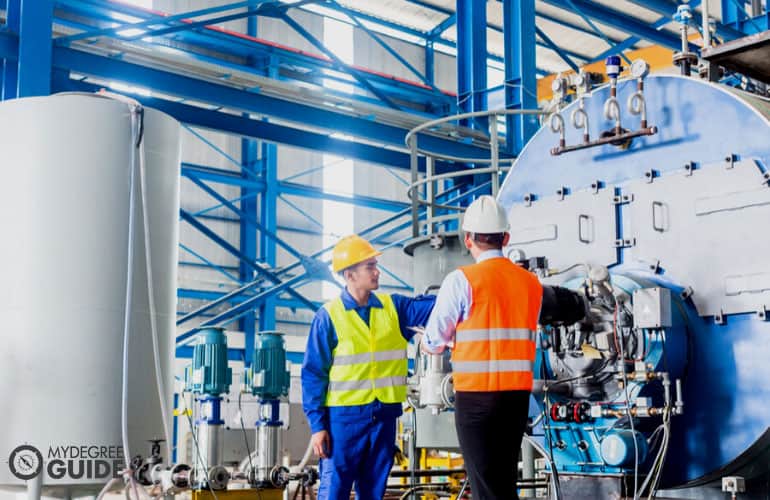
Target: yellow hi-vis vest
<point>369,362</point>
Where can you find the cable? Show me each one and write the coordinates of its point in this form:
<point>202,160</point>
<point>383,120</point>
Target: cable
<point>243,428</point>
<point>628,405</point>
<point>151,289</point>
<point>129,286</point>
<point>546,406</point>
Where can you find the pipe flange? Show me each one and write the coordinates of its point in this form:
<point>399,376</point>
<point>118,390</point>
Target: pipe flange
<point>218,477</point>
<point>309,476</point>
<point>279,476</point>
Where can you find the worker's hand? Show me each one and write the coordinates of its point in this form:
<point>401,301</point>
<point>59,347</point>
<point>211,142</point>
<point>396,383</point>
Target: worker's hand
<point>321,443</point>
<point>424,347</point>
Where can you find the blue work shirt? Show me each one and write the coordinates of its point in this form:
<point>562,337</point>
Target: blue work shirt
<point>322,340</point>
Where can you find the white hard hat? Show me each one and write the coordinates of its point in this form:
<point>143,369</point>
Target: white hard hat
<point>485,216</point>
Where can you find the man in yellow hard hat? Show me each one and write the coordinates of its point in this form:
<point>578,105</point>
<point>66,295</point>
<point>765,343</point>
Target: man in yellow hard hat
<point>354,374</point>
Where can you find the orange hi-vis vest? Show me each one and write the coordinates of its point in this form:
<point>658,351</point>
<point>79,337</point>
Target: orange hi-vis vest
<point>494,347</point>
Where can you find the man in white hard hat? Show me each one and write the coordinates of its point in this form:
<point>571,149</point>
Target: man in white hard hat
<point>488,312</point>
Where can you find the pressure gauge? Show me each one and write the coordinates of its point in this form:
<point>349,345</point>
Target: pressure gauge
<point>25,462</point>
<point>640,68</point>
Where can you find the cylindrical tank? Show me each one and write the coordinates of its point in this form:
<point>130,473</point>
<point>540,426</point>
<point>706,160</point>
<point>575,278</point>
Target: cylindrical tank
<point>64,211</point>
<point>683,208</point>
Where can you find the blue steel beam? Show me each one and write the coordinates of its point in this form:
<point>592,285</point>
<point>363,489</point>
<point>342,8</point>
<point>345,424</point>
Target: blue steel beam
<point>519,36</point>
<point>220,176</point>
<point>210,295</point>
<point>233,98</point>
<point>11,50</point>
<point>596,29</point>
<point>218,41</point>
<point>270,9</point>
<point>471,57</point>
<point>251,218</point>
<point>561,22</point>
<point>339,63</point>
<point>623,22</point>
<point>290,188</point>
<point>269,214</point>
<point>734,13</point>
<point>234,251</point>
<point>35,44</point>
<point>152,21</point>
<point>244,307</point>
<point>393,53</point>
<point>668,8</point>
<point>561,53</point>
<point>211,265</point>
<point>230,46</point>
<point>248,233</point>
<point>282,134</point>
<point>441,27</point>
<point>633,40</point>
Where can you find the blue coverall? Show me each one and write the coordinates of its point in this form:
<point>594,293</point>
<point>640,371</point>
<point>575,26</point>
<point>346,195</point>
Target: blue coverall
<point>362,436</point>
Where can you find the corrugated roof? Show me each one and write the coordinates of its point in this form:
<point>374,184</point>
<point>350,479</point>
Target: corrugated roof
<point>566,27</point>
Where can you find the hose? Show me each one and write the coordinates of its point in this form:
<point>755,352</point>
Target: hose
<point>129,288</point>
<point>546,455</point>
<point>151,295</point>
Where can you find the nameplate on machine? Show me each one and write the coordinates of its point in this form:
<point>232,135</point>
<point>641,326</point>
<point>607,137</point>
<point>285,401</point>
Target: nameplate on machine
<point>533,234</point>
<point>732,201</point>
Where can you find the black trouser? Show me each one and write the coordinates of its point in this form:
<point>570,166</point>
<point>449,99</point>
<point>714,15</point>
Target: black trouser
<point>490,426</point>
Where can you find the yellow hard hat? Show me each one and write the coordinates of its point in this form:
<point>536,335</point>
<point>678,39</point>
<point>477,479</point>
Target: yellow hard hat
<point>350,251</point>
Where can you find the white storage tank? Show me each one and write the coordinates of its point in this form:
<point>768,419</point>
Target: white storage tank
<point>64,213</point>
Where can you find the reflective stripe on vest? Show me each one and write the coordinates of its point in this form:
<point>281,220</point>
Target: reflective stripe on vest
<point>494,346</point>
<point>369,361</point>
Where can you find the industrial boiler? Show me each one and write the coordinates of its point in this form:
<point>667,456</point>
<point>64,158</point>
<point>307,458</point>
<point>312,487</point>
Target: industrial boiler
<point>648,196</point>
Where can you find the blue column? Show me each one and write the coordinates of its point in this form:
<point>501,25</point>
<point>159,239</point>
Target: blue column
<point>520,81</point>
<point>248,232</point>
<point>270,221</point>
<point>472,56</point>
<point>35,47</point>
<point>730,14</point>
<point>10,66</point>
<point>269,217</point>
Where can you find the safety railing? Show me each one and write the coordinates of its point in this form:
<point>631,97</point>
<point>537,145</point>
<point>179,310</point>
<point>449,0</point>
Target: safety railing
<point>425,192</point>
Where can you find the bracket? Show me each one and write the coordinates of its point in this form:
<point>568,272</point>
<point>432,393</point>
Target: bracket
<point>730,160</point>
<point>686,293</point>
<point>626,198</point>
<point>528,199</point>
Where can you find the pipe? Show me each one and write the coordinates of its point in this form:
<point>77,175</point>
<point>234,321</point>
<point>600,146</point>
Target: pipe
<point>580,121</point>
<point>556,124</point>
<point>35,487</point>
<point>426,472</point>
<point>527,467</point>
